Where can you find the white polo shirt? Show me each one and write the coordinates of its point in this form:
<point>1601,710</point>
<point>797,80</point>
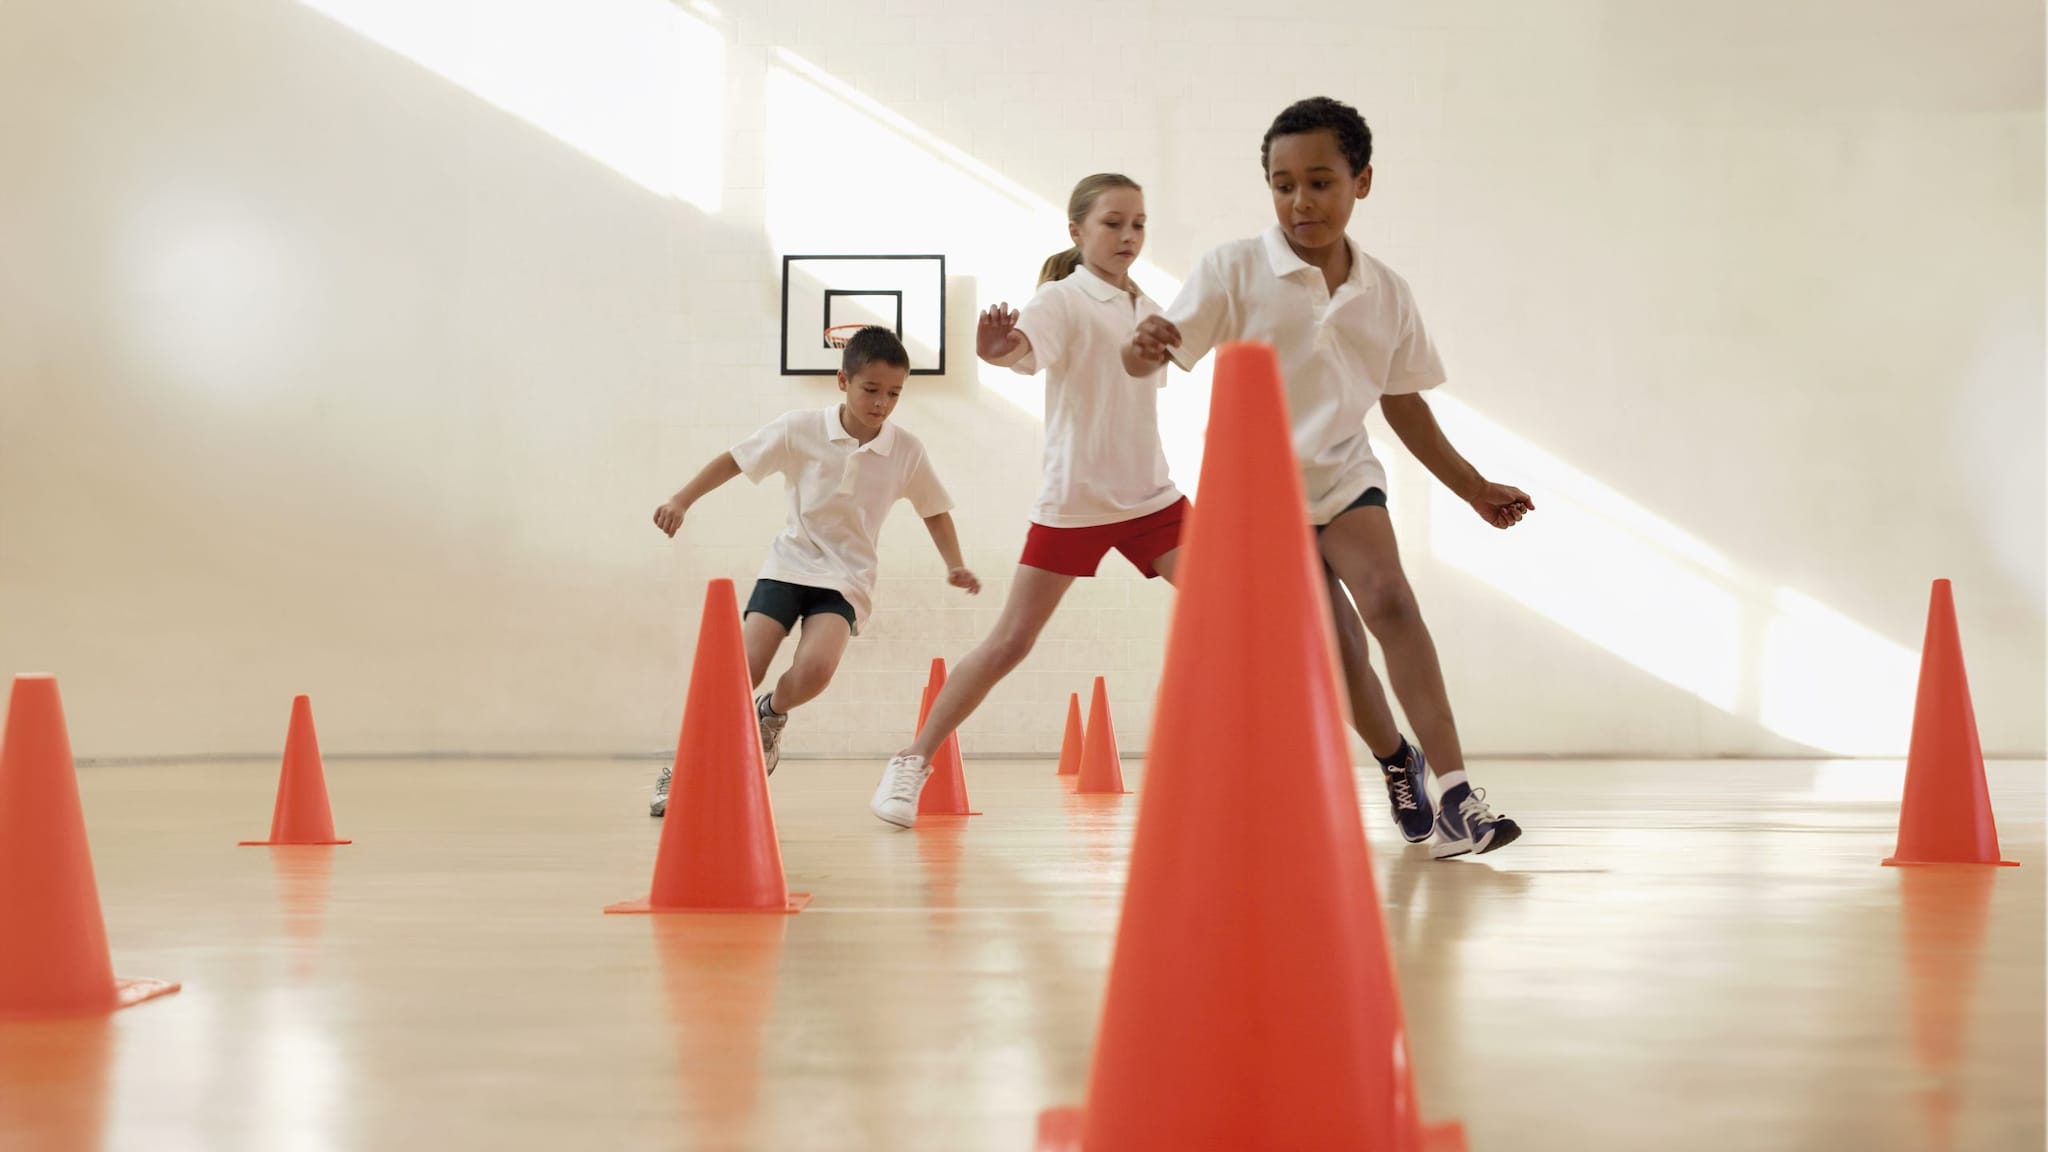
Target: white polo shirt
<point>840,491</point>
<point>1103,460</point>
<point>1338,353</point>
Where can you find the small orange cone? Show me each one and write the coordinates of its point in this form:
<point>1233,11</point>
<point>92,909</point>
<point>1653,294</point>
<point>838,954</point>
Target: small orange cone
<point>945,794</point>
<point>1946,815</point>
<point>302,815</point>
<point>1252,1000</point>
<point>1071,745</point>
<point>53,941</point>
<point>1102,766</point>
<point>718,849</point>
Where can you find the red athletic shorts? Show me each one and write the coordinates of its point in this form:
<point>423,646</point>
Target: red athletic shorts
<point>1079,551</point>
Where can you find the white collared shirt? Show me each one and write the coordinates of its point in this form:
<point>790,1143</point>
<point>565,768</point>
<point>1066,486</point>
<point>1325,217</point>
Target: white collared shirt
<point>1338,353</point>
<point>840,491</point>
<point>1103,460</point>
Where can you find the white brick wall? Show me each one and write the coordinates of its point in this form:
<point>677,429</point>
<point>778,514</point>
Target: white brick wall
<point>321,373</point>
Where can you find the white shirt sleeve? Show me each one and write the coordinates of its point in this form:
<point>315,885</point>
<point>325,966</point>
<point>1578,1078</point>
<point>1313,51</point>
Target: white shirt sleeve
<point>921,487</point>
<point>766,452</point>
<point>1416,367</point>
<point>1044,322</point>
<point>1202,312</point>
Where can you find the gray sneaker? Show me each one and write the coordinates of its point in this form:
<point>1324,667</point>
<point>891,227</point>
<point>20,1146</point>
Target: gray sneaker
<point>660,805</point>
<point>771,723</point>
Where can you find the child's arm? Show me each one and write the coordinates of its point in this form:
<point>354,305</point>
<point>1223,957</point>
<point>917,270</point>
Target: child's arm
<point>998,340</point>
<point>1146,352</point>
<point>1409,416</point>
<point>1201,318</point>
<point>943,535</point>
<point>722,468</point>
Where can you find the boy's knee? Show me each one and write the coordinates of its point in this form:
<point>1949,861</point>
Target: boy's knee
<point>1388,604</point>
<point>815,675</point>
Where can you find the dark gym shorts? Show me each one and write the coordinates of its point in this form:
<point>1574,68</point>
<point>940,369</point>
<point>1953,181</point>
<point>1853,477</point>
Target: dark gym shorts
<point>786,603</point>
<point>1370,498</point>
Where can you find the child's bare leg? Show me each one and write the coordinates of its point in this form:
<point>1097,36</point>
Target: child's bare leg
<point>764,636</point>
<point>818,650</point>
<point>1359,546</point>
<point>1370,713</point>
<point>1033,596</point>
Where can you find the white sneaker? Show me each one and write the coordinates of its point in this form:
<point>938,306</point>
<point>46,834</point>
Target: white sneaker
<point>896,796</point>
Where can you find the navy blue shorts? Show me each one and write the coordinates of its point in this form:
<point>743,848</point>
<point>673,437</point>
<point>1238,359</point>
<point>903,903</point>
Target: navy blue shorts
<point>787,603</point>
<point>1370,498</point>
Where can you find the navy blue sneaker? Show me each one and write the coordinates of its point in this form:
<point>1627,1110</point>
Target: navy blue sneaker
<point>1408,795</point>
<point>1465,824</point>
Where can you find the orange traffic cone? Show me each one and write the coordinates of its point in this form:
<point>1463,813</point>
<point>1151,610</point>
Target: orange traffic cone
<point>1251,1000</point>
<point>1102,766</point>
<point>945,794</point>
<point>53,941</point>
<point>1073,742</point>
<point>718,849</point>
<point>301,815</point>
<point>1946,815</point>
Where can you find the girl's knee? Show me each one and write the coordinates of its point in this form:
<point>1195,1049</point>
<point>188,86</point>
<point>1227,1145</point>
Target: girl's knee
<point>1008,648</point>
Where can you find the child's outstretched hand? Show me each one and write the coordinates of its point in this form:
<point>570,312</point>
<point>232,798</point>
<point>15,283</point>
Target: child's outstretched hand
<point>962,578</point>
<point>996,336</point>
<point>1155,334</point>
<point>1502,505</point>
<point>669,517</point>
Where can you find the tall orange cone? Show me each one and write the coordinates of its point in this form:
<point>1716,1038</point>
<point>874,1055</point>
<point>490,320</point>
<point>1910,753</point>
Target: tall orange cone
<point>1072,743</point>
<point>53,941</point>
<point>1946,814</point>
<point>718,849</point>
<point>945,793</point>
<point>1102,766</point>
<point>302,815</point>
<point>1252,1000</point>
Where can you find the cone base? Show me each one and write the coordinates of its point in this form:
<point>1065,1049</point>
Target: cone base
<point>127,994</point>
<point>1895,862</point>
<point>922,815</point>
<point>1059,1130</point>
<point>290,843</point>
<point>645,906</point>
<point>1080,791</point>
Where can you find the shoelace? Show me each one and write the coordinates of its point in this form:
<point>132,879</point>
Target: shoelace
<point>905,781</point>
<point>1474,809</point>
<point>1404,792</point>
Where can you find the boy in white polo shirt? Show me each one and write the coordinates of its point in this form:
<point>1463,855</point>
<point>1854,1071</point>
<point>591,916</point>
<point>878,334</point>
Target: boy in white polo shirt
<point>1348,335</point>
<point>844,467</point>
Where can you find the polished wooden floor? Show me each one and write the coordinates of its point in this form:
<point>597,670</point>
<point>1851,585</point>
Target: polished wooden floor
<point>1676,956</point>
